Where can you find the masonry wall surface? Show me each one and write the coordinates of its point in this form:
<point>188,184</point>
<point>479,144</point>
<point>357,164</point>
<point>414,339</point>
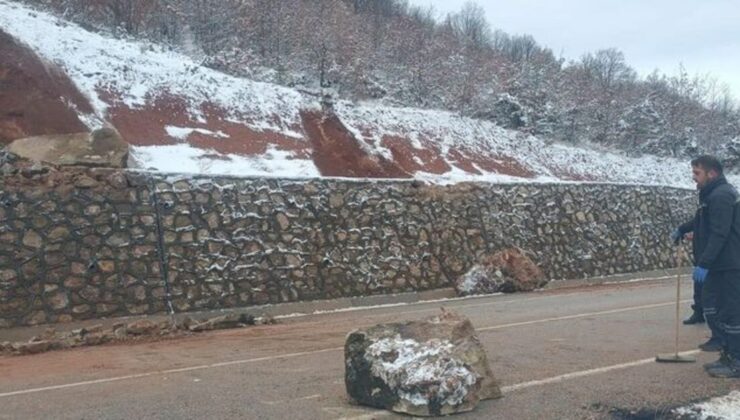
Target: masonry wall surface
<point>85,243</point>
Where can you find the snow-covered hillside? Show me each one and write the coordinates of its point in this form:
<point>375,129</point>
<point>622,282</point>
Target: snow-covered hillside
<point>495,154</point>
<point>182,117</point>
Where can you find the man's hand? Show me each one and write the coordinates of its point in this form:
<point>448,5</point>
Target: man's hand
<point>676,237</point>
<point>700,274</point>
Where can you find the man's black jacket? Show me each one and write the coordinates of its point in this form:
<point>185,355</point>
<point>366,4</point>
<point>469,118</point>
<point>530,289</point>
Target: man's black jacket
<point>716,227</point>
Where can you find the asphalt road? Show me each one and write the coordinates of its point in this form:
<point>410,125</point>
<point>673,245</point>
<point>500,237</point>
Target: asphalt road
<point>576,353</point>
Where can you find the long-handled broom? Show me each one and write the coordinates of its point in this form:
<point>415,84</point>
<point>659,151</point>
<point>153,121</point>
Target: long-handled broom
<point>675,357</point>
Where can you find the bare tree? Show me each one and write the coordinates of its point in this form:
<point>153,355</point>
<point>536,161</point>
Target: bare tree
<point>471,25</point>
<point>130,15</point>
<point>608,68</point>
<point>323,28</point>
<point>380,13</point>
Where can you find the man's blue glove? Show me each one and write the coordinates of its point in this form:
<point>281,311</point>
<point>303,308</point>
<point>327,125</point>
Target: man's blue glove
<point>676,236</point>
<point>700,274</point>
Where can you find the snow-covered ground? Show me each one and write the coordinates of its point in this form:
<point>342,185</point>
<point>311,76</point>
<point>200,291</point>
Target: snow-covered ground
<point>139,72</point>
<point>184,158</point>
<point>725,408</point>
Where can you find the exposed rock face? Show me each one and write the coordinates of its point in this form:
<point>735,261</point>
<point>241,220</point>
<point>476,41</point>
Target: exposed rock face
<point>101,148</point>
<point>36,97</point>
<point>423,368</point>
<point>506,271</point>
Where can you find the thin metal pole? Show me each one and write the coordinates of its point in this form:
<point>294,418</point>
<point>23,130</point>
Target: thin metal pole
<point>679,260</point>
<point>678,299</point>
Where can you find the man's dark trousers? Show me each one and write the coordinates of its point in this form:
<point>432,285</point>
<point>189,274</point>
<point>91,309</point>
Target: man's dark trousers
<point>711,302</point>
<point>728,286</point>
<point>721,301</point>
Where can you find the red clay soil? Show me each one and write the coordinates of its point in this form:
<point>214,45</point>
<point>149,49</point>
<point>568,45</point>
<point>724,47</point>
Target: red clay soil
<point>469,161</point>
<point>429,158</point>
<point>333,148</point>
<point>498,163</point>
<point>30,95</point>
<point>411,159</point>
<point>145,126</point>
<point>336,152</point>
<point>462,161</point>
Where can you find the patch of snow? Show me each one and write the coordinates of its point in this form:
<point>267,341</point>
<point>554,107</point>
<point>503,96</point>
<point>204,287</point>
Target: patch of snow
<point>91,121</point>
<point>472,279</point>
<point>184,158</point>
<point>182,133</point>
<point>725,408</point>
<point>456,175</point>
<point>412,367</point>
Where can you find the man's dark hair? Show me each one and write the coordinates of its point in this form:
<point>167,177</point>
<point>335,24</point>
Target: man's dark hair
<point>708,163</point>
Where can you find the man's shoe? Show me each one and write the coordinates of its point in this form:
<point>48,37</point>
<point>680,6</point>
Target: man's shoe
<point>695,318</point>
<point>713,344</point>
<point>731,370</point>
<point>724,359</point>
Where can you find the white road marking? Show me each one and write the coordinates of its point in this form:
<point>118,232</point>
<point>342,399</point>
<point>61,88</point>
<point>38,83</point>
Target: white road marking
<point>582,315</point>
<point>305,353</point>
<point>165,372</point>
<point>462,299</point>
<point>369,416</point>
<point>310,397</point>
<point>582,373</point>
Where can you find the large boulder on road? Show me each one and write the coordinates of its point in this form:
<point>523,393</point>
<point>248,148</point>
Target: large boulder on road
<point>422,368</point>
<point>507,271</point>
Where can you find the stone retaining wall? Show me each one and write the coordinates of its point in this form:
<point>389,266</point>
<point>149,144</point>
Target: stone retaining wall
<point>84,243</point>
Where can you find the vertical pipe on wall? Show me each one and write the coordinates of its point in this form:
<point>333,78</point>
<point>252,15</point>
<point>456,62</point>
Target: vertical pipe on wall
<point>161,252</point>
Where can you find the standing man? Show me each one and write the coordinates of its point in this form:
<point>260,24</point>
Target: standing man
<point>716,243</point>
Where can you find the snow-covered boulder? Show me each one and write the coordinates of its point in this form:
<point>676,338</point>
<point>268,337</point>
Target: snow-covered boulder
<point>422,368</point>
<point>507,271</point>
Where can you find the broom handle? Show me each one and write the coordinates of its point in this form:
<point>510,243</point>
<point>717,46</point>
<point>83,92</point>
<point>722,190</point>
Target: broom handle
<point>678,292</point>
